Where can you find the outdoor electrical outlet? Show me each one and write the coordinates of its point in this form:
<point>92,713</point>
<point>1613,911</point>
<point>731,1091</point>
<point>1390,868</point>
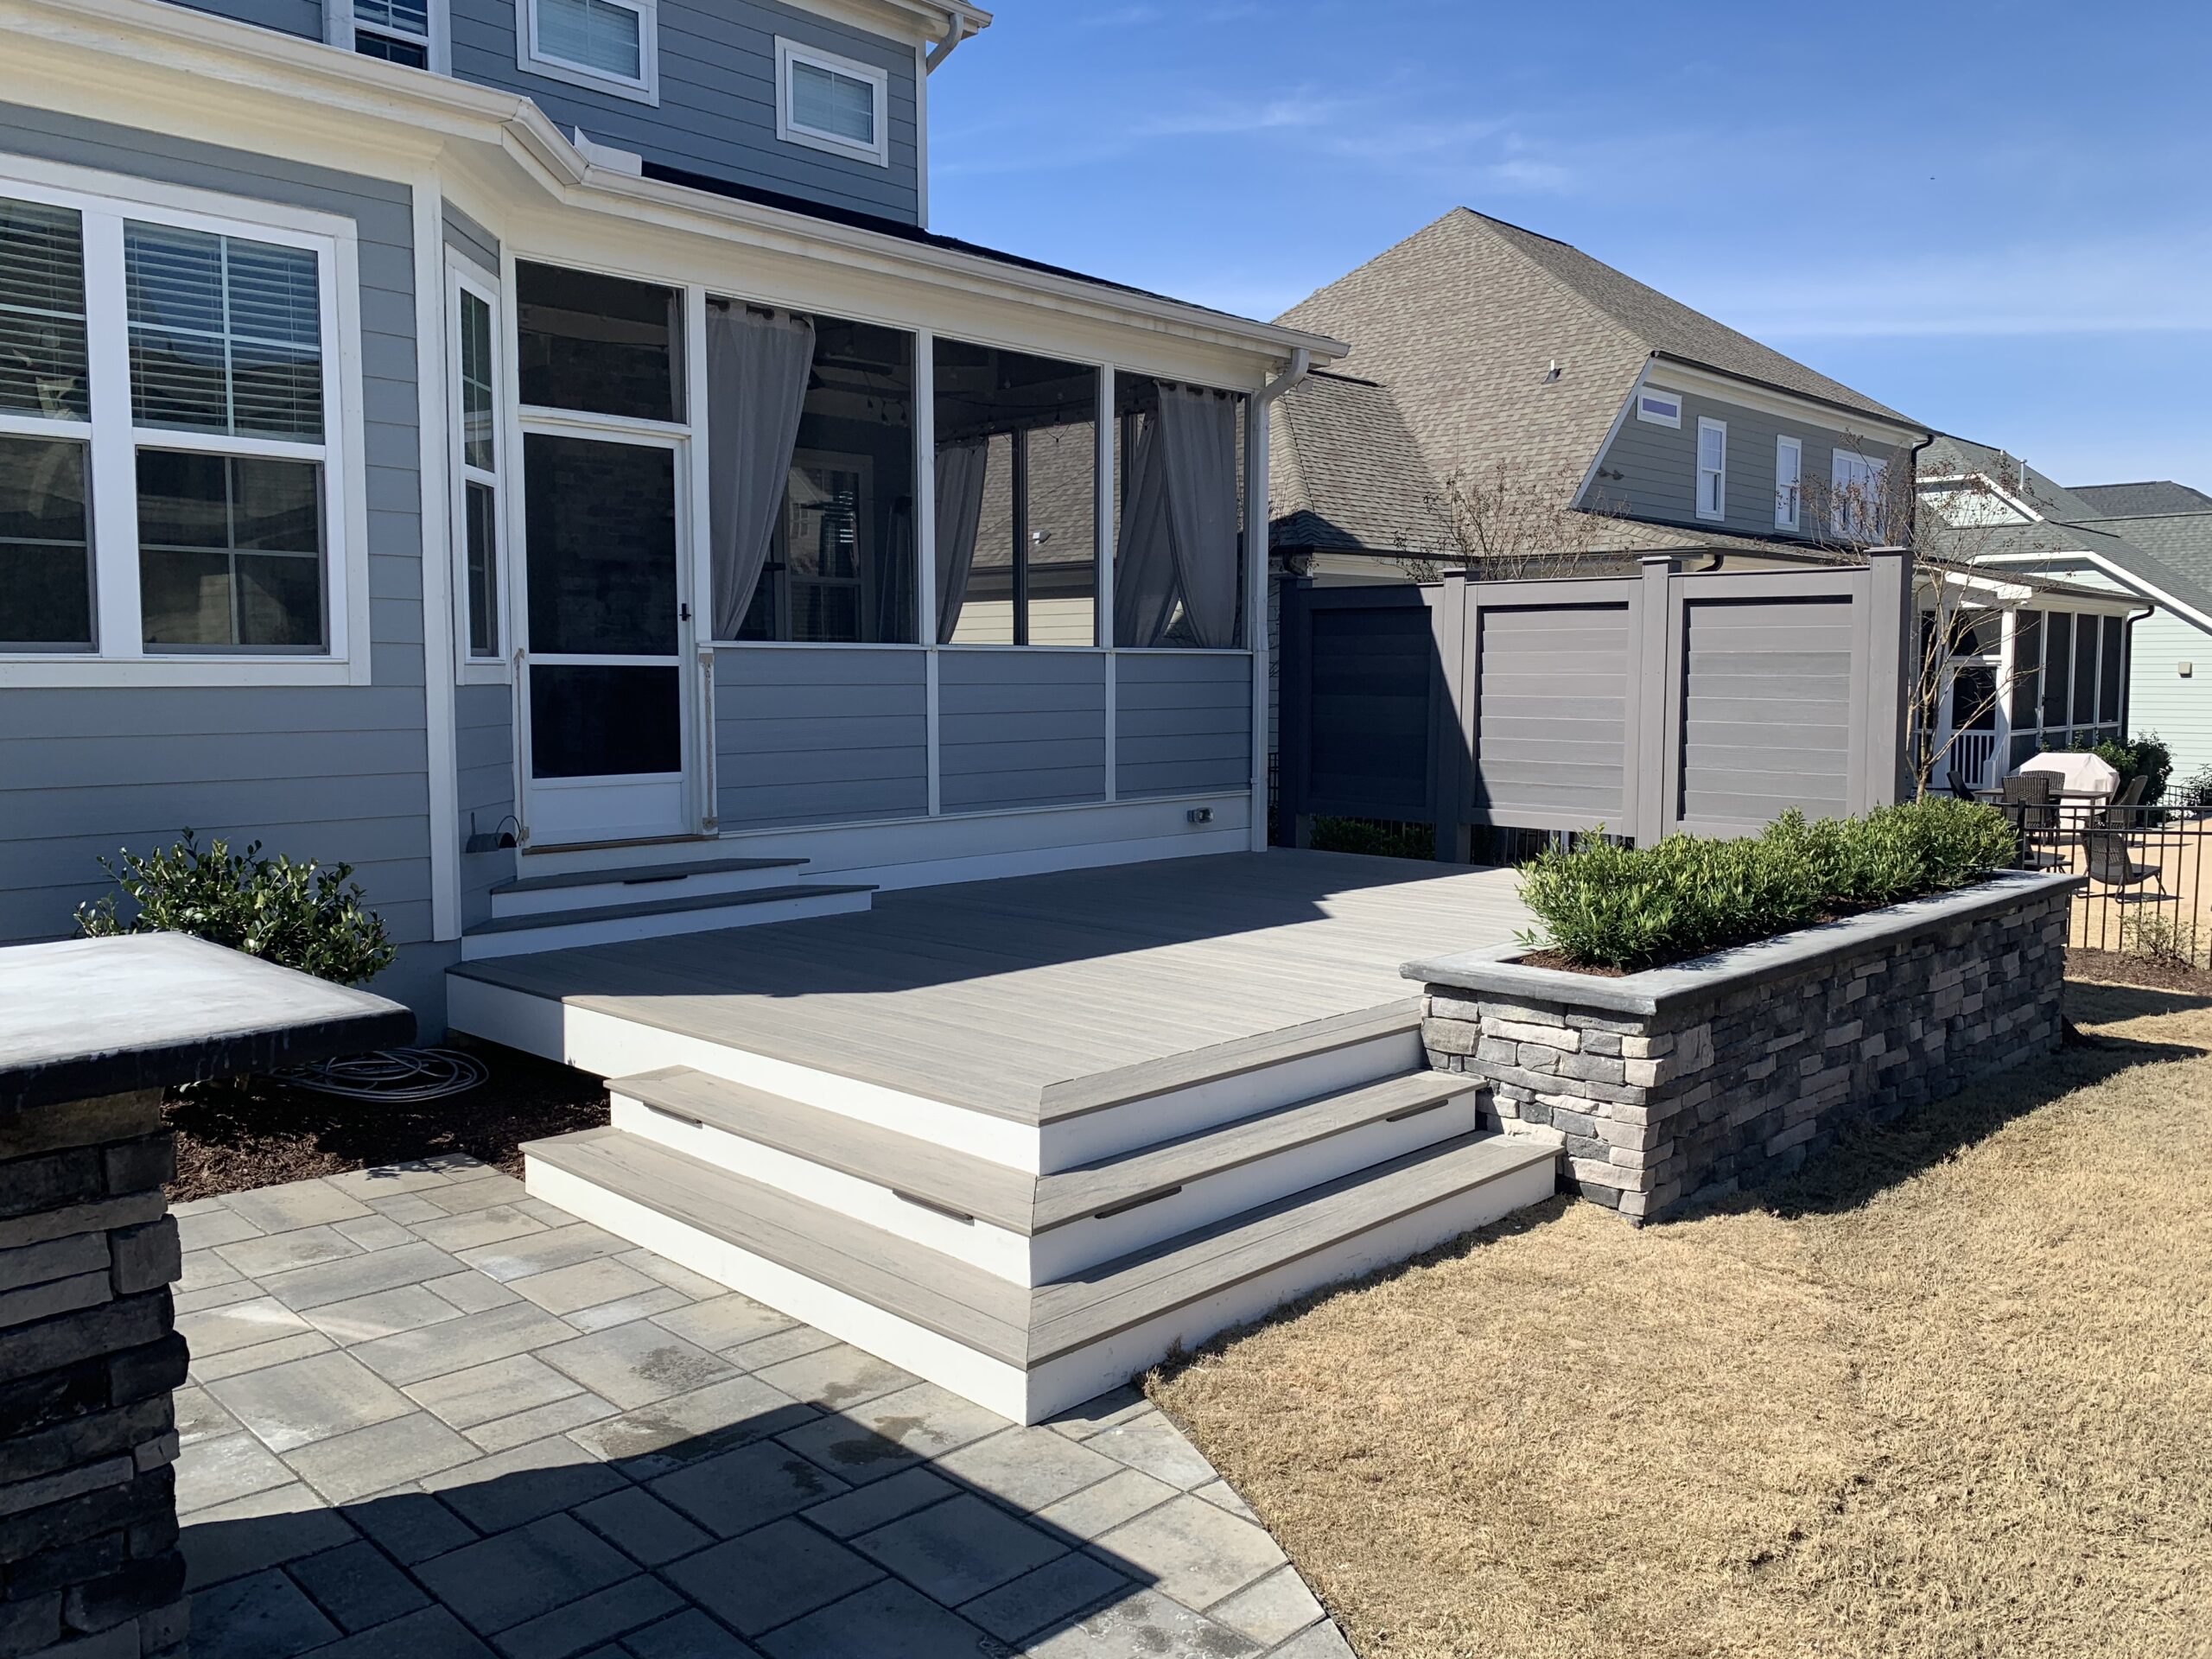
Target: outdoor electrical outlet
<point>1200,815</point>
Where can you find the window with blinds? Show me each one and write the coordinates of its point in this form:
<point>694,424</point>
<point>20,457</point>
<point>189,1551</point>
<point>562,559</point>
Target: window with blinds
<point>194,409</point>
<point>830,102</point>
<point>604,43</point>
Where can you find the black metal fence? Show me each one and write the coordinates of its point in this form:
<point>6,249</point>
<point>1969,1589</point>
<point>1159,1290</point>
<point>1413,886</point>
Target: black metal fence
<point>2147,895</point>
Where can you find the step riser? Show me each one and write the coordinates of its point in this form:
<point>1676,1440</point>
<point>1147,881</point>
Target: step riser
<point>479,947</point>
<point>1069,1143</point>
<point>1070,1378</point>
<point>991,1383</point>
<point>608,1046</point>
<point>539,901</point>
<point>1066,1379</point>
<point>1057,1252</point>
<point>978,1242</point>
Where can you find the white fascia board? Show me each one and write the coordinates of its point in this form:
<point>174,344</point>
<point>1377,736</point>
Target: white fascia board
<point>1748,394</point>
<point>907,21</point>
<point>131,44</point>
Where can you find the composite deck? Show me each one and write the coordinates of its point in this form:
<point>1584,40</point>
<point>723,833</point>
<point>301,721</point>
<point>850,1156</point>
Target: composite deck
<point>1004,994</point>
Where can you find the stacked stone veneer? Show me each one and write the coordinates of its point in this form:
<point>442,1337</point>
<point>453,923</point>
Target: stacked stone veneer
<point>1732,1076</point>
<point>89,1565</point>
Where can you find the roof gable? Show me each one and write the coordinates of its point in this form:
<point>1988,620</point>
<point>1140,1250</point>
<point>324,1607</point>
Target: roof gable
<point>2141,500</point>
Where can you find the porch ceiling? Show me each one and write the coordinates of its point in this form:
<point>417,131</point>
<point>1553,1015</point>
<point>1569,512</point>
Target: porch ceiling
<point>989,993</point>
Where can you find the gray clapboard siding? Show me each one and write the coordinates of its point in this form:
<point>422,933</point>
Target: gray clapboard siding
<point>337,773</point>
<point>1553,710</point>
<point>1661,466</point>
<point>1766,708</point>
<point>824,735</point>
<point>484,758</point>
<point>1182,723</point>
<point>465,236</point>
<point>718,110</point>
<point>1020,728</point>
<point>301,17</point>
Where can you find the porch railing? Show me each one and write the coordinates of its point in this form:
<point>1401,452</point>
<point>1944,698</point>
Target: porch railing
<point>1972,760</point>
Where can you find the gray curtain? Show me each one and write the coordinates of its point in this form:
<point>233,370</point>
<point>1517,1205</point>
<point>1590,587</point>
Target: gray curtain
<point>1145,590</point>
<point>756,370</point>
<point>960,471</point>
<point>1198,433</point>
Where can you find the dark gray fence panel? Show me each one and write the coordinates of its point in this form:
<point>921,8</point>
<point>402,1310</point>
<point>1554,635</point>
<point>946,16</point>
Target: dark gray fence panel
<point>1372,673</point>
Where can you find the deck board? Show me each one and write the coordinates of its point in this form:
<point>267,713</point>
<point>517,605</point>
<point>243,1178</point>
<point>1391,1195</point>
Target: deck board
<point>999,990</point>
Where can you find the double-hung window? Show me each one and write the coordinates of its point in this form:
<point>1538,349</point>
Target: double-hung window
<point>1855,504</point>
<point>610,46</point>
<point>830,102</point>
<point>1789,481</point>
<point>1711,467</point>
<point>397,31</point>
<point>170,484</point>
<point>476,481</point>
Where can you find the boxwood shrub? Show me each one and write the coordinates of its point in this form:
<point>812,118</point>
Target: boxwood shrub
<point>1605,906</point>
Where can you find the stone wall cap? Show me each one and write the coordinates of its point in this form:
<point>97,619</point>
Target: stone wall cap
<point>88,1017</point>
<point>1707,979</point>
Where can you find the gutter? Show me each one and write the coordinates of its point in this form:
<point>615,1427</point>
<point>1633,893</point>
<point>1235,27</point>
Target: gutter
<point>1301,365</point>
<point>963,27</point>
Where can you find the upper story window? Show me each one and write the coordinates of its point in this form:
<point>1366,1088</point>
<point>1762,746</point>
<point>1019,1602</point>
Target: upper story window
<point>1711,467</point>
<point>169,433</point>
<point>398,31</point>
<point>1855,504</point>
<point>1789,481</point>
<point>608,45</point>
<point>830,103</point>
<point>1660,408</point>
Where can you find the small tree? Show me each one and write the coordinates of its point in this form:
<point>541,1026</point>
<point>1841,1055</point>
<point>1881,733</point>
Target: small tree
<point>300,916</point>
<point>1950,524</point>
<point>1509,523</point>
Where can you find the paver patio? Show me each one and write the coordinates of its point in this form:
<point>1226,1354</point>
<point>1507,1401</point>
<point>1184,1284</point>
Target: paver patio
<point>430,1416</point>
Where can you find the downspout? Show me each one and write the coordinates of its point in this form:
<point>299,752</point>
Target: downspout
<point>1301,365</point>
<point>946,47</point>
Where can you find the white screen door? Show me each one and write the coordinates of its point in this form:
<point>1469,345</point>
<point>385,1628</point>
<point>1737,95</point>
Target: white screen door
<point>606,629</point>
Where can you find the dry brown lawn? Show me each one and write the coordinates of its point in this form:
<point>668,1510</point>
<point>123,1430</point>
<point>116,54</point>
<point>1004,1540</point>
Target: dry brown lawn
<point>1950,1395</point>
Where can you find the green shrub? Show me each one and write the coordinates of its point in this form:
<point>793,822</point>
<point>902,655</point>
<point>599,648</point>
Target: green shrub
<point>1602,905</point>
<point>1377,837</point>
<point>300,916</point>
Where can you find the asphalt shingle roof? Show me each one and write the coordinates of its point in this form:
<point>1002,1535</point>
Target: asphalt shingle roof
<point>1349,475</point>
<point>2137,500</point>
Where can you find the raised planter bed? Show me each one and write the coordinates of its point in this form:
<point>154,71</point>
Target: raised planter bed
<point>1680,1084</point>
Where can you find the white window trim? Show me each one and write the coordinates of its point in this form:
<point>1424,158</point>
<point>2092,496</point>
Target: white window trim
<point>1789,510</point>
<point>1674,397</point>
<point>338,27</point>
<point>1842,460</point>
<point>105,200</point>
<point>464,275</point>
<point>644,89</point>
<point>1706,423</point>
<point>789,52</point>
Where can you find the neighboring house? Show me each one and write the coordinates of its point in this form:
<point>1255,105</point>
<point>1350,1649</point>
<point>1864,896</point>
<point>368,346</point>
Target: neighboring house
<point>516,446</point>
<point>2170,679</point>
<point>2075,679</point>
<point>1483,351</point>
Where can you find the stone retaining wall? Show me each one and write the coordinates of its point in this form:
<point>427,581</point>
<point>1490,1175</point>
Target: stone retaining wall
<point>88,1558</point>
<point>1683,1085</point>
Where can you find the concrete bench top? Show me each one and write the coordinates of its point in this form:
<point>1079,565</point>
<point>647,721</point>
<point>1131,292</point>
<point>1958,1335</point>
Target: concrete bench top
<point>88,1017</point>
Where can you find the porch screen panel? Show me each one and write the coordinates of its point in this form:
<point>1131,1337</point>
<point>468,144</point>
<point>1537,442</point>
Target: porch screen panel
<point>2027,670</point>
<point>1551,730</point>
<point>2111,674</point>
<point>602,521</point>
<point>1766,711</point>
<point>2057,668</point>
<point>2085,672</point>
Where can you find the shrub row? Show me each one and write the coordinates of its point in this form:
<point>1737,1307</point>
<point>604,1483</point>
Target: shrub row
<point>1603,906</point>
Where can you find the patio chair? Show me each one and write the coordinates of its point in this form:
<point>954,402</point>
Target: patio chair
<point>2112,864</point>
<point>2028,799</point>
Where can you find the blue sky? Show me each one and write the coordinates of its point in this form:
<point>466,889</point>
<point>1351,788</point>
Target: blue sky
<point>1997,218</point>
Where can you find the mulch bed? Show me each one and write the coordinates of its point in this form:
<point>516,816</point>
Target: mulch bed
<point>2152,973</point>
<point>252,1132</point>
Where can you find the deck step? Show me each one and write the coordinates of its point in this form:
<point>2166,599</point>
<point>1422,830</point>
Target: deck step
<point>1027,1353</point>
<point>560,930</point>
<point>588,889</point>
